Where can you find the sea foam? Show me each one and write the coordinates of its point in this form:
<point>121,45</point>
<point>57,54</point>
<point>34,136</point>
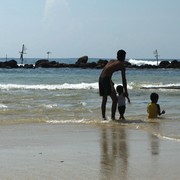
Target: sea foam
<point>142,62</point>
<point>161,86</point>
<point>49,87</point>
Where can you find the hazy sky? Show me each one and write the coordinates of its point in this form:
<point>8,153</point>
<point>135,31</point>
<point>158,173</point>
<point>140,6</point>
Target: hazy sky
<point>97,28</point>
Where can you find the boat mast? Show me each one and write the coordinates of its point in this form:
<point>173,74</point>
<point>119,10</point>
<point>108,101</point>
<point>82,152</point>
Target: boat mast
<point>22,52</point>
<point>48,55</point>
<point>156,55</point>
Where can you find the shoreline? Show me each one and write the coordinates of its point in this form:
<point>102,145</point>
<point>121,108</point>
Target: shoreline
<point>82,151</point>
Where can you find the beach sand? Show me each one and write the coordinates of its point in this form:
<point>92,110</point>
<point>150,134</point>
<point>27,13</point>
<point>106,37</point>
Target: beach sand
<point>85,151</point>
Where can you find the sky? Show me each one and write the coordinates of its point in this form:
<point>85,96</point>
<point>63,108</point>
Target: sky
<point>96,28</point>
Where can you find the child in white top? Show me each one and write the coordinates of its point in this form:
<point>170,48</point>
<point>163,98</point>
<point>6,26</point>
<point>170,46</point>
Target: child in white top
<point>121,101</point>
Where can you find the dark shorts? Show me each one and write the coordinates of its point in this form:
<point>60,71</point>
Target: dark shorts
<point>105,86</point>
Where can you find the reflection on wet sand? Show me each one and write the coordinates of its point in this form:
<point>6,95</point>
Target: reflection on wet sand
<point>154,141</point>
<point>154,144</point>
<point>114,153</point>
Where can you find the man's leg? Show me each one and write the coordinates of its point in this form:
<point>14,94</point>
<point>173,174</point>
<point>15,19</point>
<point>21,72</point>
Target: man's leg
<point>103,107</point>
<point>114,104</point>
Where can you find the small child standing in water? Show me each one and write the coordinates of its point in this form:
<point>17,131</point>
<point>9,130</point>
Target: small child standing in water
<point>153,108</point>
<point>121,101</point>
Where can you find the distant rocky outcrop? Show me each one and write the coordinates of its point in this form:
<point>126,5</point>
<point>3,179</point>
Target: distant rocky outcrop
<point>82,62</point>
<point>167,64</point>
<point>44,63</point>
<point>9,64</point>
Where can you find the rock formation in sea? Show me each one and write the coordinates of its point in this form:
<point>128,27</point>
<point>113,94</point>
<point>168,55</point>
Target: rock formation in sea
<point>82,62</point>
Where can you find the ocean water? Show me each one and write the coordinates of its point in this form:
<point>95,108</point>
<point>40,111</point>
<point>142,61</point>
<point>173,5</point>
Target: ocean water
<point>70,95</point>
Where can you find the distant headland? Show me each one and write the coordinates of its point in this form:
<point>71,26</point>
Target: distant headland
<point>82,62</point>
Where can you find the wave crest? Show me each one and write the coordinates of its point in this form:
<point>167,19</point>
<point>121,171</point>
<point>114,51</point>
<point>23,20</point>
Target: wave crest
<point>160,86</point>
<point>49,87</point>
<point>142,62</point>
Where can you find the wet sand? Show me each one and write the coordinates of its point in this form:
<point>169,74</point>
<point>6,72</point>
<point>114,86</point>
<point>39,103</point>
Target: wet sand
<point>82,151</point>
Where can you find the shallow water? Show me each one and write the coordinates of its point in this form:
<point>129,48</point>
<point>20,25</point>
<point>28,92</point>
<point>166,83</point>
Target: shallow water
<point>71,96</point>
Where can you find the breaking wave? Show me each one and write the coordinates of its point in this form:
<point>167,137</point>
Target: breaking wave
<point>49,87</point>
<point>161,86</point>
<point>79,86</point>
<point>143,62</point>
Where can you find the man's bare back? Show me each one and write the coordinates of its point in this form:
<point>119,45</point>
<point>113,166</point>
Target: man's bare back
<point>111,67</point>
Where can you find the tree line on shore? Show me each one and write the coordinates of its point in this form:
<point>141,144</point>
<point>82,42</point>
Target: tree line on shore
<point>82,62</point>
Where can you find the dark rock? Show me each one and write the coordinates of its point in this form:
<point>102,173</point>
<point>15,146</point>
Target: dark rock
<point>28,66</point>
<point>1,64</point>
<point>72,65</point>
<point>101,63</point>
<point>56,65</point>
<point>41,62</point>
<point>12,63</point>
<point>53,64</point>
<point>174,64</point>
<point>9,64</point>
<point>45,65</point>
<point>82,60</point>
<point>147,66</point>
<point>92,64</point>
<point>164,64</point>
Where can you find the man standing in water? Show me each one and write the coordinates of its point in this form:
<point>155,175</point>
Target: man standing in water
<point>106,86</point>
